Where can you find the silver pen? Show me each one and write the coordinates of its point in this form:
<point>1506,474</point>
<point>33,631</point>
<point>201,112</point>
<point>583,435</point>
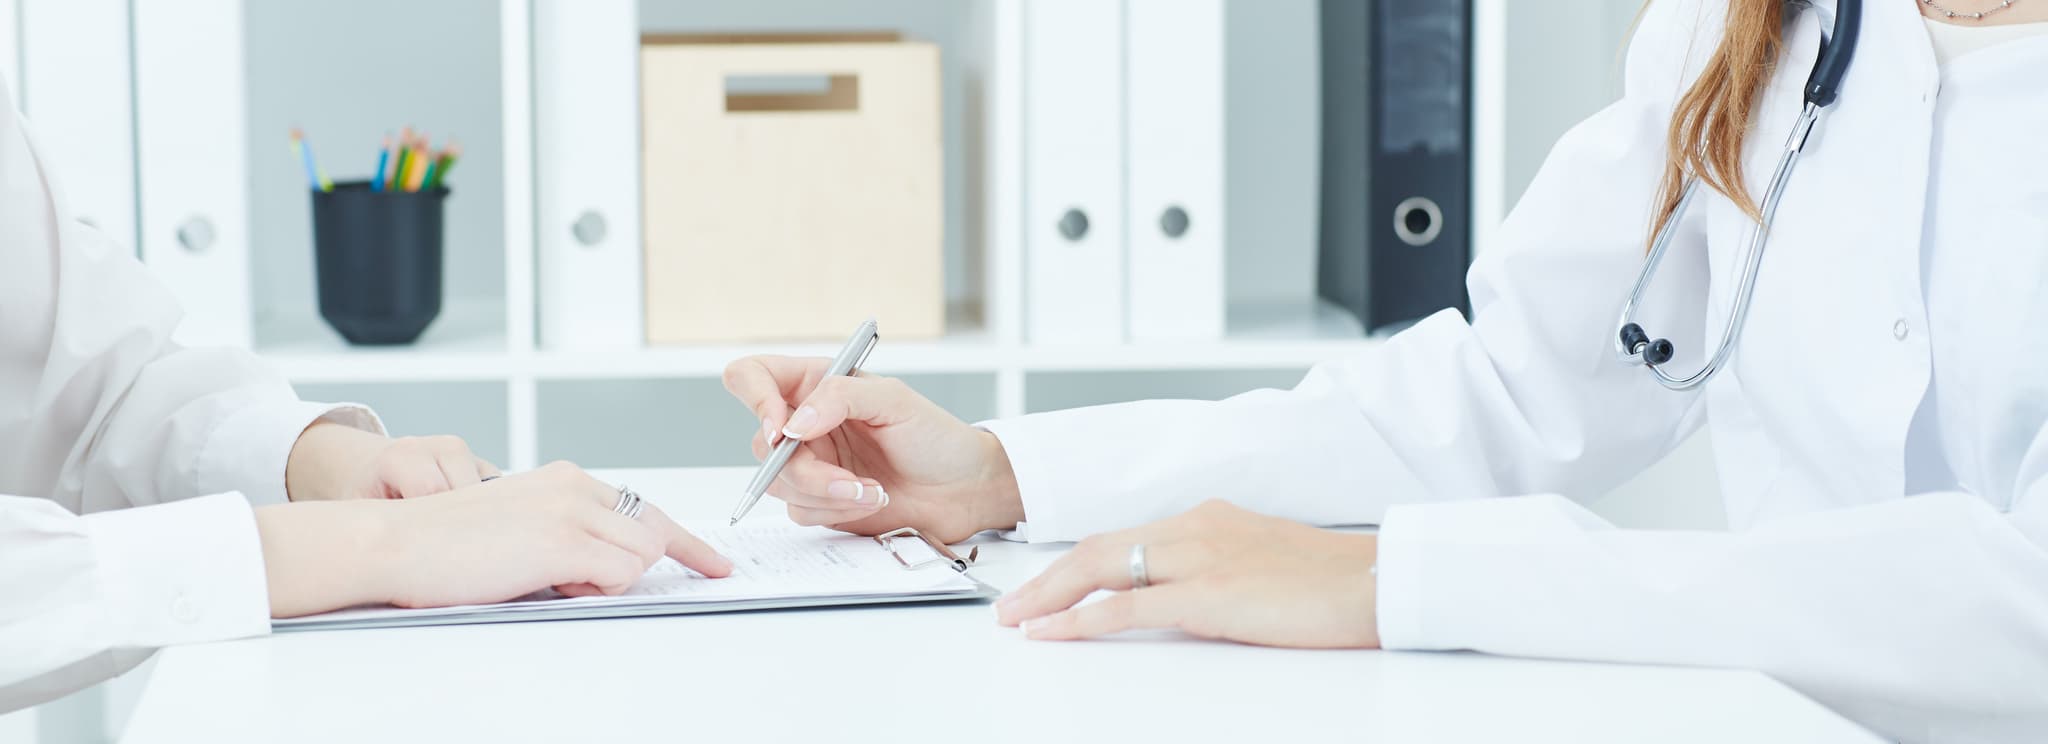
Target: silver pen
<point>847,362</point>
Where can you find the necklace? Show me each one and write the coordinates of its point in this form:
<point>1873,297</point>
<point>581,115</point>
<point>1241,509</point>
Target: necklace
<point>1977,16</point>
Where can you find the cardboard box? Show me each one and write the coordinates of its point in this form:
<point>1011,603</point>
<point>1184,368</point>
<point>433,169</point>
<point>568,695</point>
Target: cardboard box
<point>791,187</point>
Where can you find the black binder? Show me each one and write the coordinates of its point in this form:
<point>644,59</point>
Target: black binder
<point>1396,226</point>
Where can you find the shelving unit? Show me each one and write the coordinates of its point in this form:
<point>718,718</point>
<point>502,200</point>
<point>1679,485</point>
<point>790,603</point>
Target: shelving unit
<point>603,406</point>
<point>483,372</point>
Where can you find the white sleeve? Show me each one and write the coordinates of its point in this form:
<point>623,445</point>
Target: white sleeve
<point>99,408</point>
<point>1925,617</point>
<point>1527,398</point>
<point>89,595</point>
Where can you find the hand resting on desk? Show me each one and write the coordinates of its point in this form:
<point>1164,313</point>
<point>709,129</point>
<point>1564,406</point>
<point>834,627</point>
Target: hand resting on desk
<point>551,527</point>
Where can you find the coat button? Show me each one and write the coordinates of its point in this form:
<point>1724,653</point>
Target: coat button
<point>1899,329</point>
<point>184,610</point>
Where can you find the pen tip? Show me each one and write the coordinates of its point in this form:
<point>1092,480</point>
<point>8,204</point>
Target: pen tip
<point>734,522</point>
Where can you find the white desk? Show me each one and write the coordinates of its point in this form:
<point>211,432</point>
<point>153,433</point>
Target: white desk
<point>938,673</point>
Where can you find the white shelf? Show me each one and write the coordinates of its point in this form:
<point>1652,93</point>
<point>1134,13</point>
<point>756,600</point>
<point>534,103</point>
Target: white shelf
<point>1261,337</point>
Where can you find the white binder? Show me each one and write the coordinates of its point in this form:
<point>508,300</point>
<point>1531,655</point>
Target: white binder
<point>587,173</point>
<point>192,166</point>
<point>1174,142</point>
<point>10,53</point>
<point>1073,171</point>
<point>76,93</point>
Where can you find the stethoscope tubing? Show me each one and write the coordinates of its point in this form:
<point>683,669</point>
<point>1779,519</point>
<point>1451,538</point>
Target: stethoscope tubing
<point>1753,256</point>
<point>1823,84</point>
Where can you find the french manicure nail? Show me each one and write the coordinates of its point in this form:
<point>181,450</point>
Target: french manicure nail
<point>800,424</point>
<point>1031,625</point>
<point>768,433</point>
<point>884,499</point>
<point>849,490</point>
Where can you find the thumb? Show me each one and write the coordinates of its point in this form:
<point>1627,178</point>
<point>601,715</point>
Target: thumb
<point>876,401</point>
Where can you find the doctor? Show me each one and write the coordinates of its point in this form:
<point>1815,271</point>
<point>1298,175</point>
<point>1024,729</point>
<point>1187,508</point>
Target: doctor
<point>1881,422</point>
<point>212,499</point>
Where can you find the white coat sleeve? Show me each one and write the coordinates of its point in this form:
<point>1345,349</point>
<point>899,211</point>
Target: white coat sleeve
<point>1526,398</point>
<point>88,597</point>
<point>1926,618</point>
<point>100,410</point>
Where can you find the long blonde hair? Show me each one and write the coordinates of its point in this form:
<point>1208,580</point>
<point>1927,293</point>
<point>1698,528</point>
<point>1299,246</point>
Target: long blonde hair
<point>1711,119</point>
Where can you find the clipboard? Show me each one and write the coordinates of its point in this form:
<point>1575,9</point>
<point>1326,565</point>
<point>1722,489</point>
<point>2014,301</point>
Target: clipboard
<point>541,608</point>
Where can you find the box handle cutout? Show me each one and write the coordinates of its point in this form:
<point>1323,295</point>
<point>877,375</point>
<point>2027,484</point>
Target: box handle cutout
<point>757,93</point>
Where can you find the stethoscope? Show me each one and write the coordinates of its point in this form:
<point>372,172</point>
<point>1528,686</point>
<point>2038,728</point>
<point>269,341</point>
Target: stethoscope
<point>1635,346</point>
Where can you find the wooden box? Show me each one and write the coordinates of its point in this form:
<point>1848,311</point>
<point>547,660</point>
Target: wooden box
<point>791,187</point>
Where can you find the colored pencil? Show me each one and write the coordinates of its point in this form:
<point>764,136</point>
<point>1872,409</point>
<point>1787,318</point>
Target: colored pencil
<point>383,161</point>
<point>418,168</point>
<point>317,179</point>
<point>442,164</point>
<point>404,158</point>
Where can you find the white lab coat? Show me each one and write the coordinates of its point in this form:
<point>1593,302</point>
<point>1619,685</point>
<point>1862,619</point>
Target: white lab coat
<point>100,411</point>
<point>1901,580</point>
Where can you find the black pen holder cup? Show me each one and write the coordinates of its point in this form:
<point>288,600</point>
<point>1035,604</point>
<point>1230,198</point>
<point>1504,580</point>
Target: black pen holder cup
<point>377,256</point>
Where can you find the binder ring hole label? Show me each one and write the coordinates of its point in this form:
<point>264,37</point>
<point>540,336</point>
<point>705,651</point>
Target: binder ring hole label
<point>771,93</point>
<point>1174,222</point>
<point>1418,220</point>
<point>1074,224</point>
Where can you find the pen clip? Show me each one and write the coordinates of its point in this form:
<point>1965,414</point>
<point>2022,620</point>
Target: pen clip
<point>946,553</point>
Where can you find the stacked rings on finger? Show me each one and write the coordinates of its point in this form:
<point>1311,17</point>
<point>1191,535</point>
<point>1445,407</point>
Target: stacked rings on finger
<point>630,504</point>
<point>1140,578</point>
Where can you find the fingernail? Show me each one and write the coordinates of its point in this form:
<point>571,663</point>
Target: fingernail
<point>800,424</point>
<point>850,490</point>
<point>1032,626</point>
<point>884,498</point>
<point>768,433</point>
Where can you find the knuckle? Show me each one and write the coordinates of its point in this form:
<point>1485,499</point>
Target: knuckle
<point>735,371</point>
<point>563,471</point>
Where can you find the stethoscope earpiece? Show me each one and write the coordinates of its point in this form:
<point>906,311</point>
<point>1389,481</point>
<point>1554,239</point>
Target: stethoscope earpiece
<point>1647,350</point>
<point>1658,352</point>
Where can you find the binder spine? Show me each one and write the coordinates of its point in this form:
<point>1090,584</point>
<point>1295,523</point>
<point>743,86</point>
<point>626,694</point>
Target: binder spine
<point>1175,228</point>
<point>1398,107</point>
<point>587,174</point>
<point>77,94</point>
<point>1073,171</point>
<point>192,166</point>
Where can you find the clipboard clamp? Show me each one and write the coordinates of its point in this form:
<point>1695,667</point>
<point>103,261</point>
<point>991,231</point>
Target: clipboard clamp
<point>946,554</point>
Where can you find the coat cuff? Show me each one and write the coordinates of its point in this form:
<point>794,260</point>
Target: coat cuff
<point>1035,487</point>
<point>247,452</point>
<point>1398,575</point>
<point>181,572</point>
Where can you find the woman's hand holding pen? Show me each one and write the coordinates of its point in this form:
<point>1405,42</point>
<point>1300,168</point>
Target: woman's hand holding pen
<point>876,455</point>
<point>494,541</point>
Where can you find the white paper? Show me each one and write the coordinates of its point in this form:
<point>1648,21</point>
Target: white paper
<point>768,563</point>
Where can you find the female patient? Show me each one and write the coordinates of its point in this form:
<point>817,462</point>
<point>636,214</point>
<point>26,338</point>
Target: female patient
<point>212,498</point>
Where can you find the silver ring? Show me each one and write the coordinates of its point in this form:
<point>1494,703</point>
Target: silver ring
<point>629,505</point>
<point>1140,578</point>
